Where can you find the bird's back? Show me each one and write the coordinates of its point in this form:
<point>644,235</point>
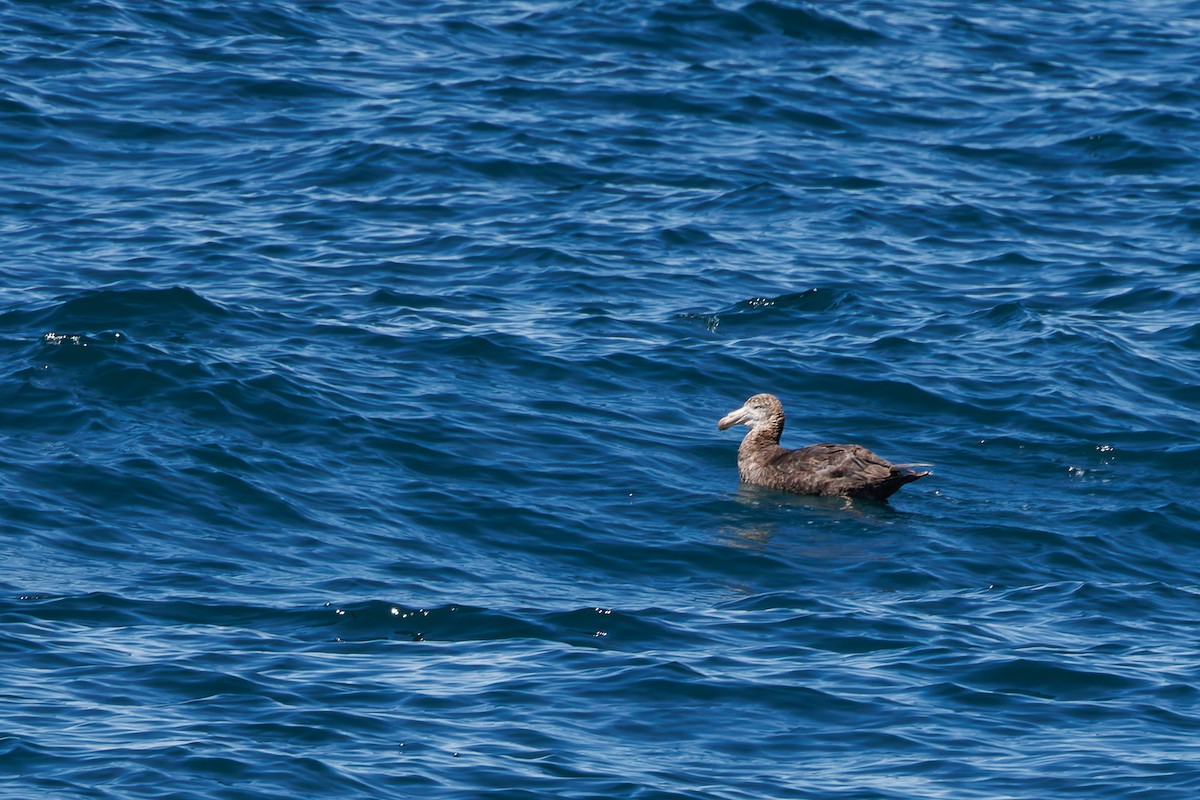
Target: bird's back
<point>849,470</point>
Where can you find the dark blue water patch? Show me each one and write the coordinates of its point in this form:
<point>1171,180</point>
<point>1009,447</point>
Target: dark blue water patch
<point>592,627</point>
<point>105,308</point>
<point>773,310</point>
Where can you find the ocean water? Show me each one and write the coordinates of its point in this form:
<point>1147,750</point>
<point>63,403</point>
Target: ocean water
<point>360,366</point>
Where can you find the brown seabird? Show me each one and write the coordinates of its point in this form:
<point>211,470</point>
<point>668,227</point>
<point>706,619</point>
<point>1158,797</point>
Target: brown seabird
<point>847,470</point>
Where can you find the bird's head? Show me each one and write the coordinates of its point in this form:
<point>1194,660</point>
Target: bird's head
<point>758,410</point>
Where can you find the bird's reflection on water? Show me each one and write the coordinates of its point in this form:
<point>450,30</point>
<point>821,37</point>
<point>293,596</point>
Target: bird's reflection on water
<point>821,516</point>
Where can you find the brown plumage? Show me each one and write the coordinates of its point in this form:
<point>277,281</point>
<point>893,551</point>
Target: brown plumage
<point>848,470</point>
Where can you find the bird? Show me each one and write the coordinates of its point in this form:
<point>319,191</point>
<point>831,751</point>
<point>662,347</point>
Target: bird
<point>845,470</point>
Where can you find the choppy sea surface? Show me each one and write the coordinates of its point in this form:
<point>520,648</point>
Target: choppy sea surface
<point>360,366</point>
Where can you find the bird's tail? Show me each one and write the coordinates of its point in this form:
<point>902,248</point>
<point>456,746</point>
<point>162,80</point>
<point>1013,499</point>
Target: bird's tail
<point>890,485</point>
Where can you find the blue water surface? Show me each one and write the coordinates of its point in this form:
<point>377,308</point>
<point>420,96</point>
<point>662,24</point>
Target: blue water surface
<point>360,366</point>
